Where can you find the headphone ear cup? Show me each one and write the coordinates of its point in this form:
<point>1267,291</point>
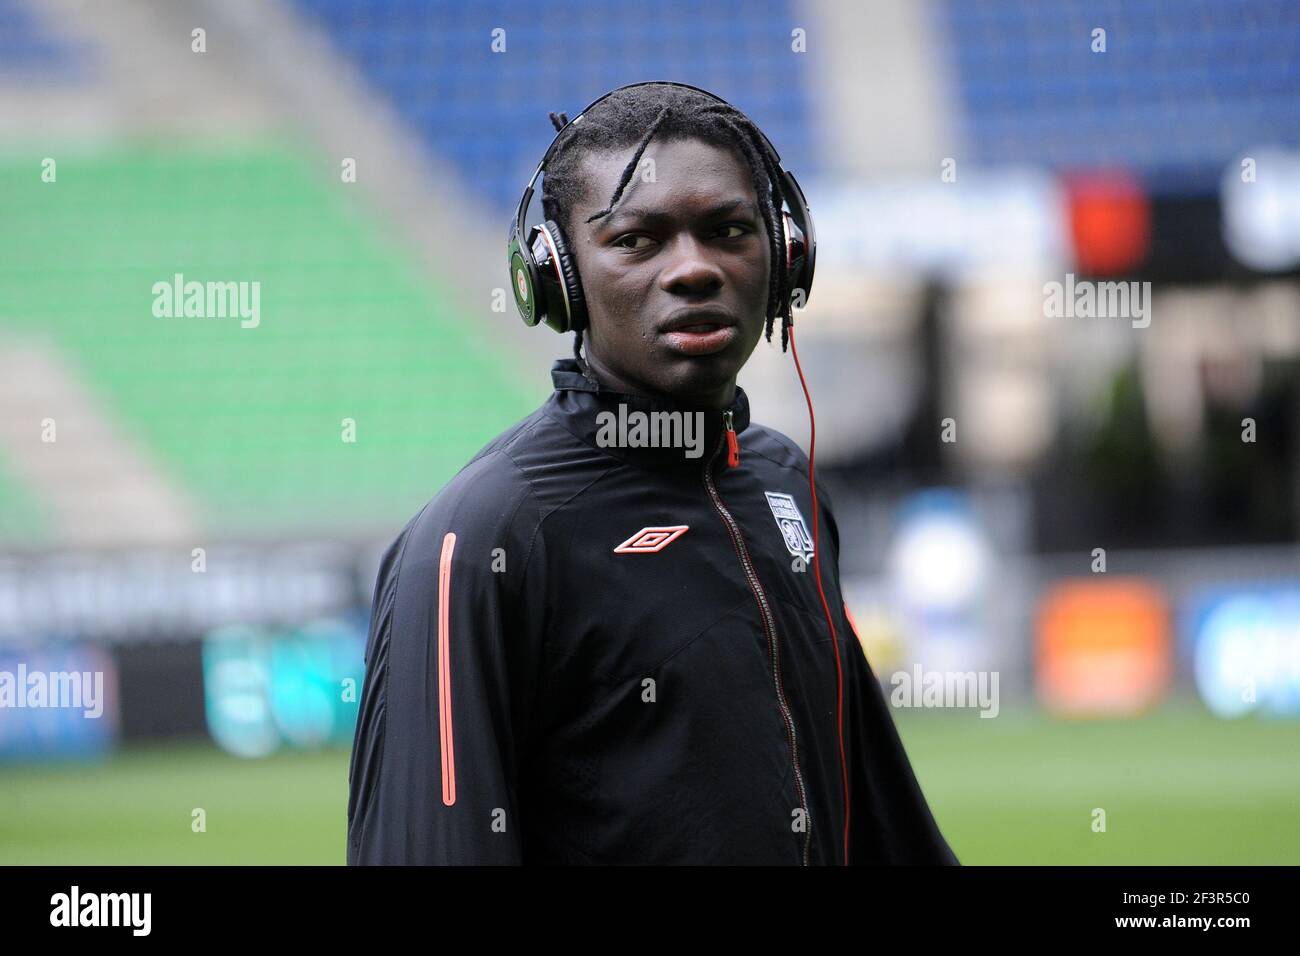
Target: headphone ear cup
<point>798,273</point>
<point>572,284</point>
<point>524,284</point>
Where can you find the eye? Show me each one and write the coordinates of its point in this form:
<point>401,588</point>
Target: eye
<point>633,236</point>
<point>740,230</point>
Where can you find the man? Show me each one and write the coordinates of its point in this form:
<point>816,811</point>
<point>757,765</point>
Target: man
<point>594,646</point>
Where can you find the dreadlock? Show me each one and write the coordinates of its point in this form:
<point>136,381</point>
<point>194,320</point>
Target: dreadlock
<point>635,116</point>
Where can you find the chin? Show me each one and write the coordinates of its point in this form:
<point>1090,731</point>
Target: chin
<point>691,376</point>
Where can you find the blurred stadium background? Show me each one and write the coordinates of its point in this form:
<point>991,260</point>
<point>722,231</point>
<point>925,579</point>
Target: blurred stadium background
<point>1104,513</point>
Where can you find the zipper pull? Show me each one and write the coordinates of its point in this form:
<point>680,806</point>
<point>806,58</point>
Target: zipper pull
<point>733,443</point>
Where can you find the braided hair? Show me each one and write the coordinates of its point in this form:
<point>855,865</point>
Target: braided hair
<point>633,117</point>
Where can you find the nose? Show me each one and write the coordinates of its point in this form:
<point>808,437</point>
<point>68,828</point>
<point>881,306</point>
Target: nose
<point>690,270</point>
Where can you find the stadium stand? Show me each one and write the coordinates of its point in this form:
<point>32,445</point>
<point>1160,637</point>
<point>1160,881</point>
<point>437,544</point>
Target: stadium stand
<point>1173,98</point>
<point>348,330</point>
<point>434,60</point>
<point>29,48</point>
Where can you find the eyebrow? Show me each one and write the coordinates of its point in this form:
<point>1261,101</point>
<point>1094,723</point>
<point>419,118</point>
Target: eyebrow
<point>654,215</point>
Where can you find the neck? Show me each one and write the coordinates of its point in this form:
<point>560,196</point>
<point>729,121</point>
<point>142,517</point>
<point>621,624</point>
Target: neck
<point>719,398</point>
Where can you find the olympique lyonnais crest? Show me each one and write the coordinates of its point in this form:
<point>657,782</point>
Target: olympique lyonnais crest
<point>793,528</point>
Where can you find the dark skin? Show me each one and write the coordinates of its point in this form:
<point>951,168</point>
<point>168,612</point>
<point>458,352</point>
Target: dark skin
<point>668,245</point>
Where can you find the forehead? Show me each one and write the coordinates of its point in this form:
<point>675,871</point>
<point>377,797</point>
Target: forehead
<point>674,176</point>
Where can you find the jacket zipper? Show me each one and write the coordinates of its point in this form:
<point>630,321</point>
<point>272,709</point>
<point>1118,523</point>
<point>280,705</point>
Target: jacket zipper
<point>769,623</point>
<point>733,445</point>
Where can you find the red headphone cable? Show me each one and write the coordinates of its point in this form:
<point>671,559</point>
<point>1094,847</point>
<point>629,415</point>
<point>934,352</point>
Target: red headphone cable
<point>817,552</point>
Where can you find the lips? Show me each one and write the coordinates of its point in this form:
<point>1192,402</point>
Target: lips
<point>697,320</point>
<point>699,331</point>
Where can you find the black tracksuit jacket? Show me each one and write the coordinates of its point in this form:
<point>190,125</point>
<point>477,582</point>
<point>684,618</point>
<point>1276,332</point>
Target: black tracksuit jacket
<point>533,695</point>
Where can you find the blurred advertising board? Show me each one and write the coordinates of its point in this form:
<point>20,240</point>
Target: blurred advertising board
<point>264,689</point>
<point>1104,647</point>
<point>1245,648</point>
<point>57,700</point>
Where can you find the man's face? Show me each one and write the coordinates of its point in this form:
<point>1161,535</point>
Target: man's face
<point>676,277</point>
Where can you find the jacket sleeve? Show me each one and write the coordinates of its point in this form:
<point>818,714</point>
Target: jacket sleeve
<point>452,658</point>
<point>889,819</point>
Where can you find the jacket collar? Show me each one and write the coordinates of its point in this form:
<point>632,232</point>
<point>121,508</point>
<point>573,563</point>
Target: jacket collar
<point>623,425</point>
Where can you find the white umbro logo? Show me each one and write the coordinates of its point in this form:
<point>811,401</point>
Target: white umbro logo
<point>650,540</point>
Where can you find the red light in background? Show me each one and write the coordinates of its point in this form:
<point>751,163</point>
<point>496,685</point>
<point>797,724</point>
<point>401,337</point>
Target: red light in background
<point>1110,221</point>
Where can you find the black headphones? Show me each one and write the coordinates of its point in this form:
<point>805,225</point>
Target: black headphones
<point>544,275</point>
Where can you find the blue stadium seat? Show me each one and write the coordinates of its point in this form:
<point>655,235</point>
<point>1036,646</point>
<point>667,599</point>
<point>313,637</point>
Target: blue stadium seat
<point>1181,90</point>
<point>487,113</point>
<point>28,48</point>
